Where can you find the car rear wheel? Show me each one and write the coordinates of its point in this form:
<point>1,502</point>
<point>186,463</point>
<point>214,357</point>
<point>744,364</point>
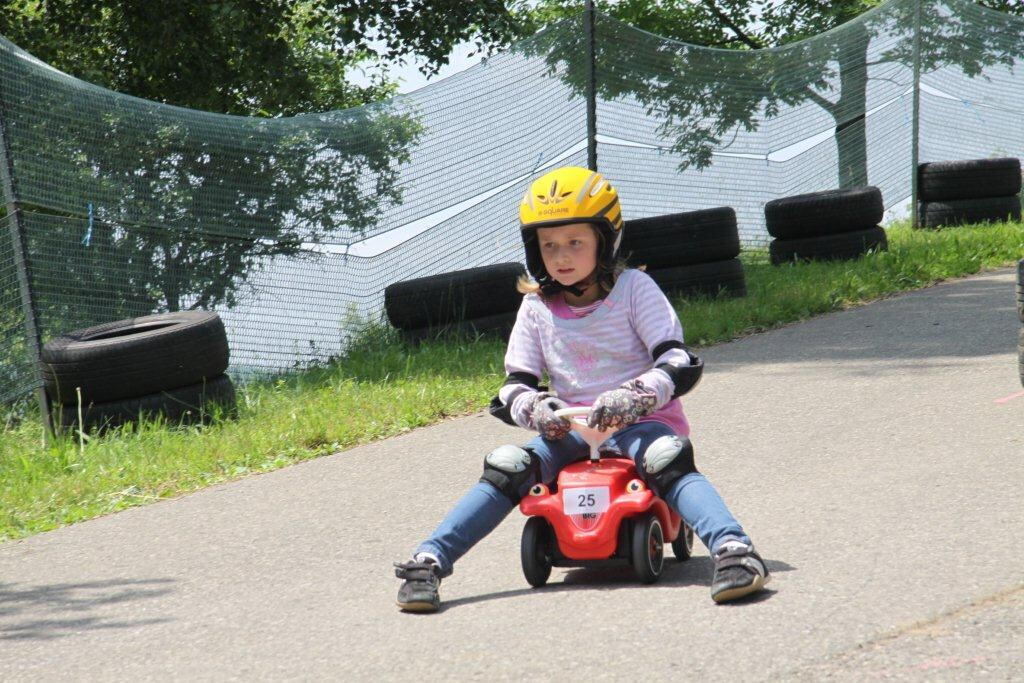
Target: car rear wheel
<point>682,547</point>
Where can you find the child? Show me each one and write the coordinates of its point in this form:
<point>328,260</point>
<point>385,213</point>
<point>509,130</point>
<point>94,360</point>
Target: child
<point>607,337</point>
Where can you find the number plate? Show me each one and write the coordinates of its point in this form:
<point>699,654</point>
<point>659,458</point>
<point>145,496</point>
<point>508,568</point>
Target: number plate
<point>585,500</point>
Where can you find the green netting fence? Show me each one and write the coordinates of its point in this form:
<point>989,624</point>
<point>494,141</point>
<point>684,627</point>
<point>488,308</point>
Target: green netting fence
<point>292,228</point>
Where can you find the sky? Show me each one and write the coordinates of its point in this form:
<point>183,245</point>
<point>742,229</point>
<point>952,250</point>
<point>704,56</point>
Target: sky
<point>410,78</point>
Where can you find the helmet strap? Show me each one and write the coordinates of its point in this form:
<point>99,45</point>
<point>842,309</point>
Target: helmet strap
<point>554,286</point>
<point>576,291</point>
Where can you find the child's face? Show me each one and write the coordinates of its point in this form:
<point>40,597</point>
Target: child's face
<point>569,251</point>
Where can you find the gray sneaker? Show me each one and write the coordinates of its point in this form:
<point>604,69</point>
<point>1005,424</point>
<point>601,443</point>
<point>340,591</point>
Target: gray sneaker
<point>418,592</point>
<point>739,571</point>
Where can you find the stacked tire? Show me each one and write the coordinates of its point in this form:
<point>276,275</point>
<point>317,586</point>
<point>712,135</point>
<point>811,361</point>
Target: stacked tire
<point>692,253</point>
<point>169,365</point>
<point>824,226</point>
<point>1020,315</point>
<point>970,191</point>
<point>471,302</point>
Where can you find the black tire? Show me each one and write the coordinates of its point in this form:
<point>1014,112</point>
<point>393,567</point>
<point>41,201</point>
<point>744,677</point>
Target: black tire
<point>647,548</point>
<point>961,211</point>
<point>968,179</point>
<point>681,239</point>
<point>135,357</point>
<point>1020,290</point>
<point>192,404</point>
<point>536,551</point>
<point>847,245</point>
<point>682,547</point>
<point>452,297</point>
<point>1020,354</point>
<point>824,213</point>
<point>498,326</point>
<point>725,278</point>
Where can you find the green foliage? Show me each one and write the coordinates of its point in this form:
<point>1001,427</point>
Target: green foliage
<point>720,92</point>
<point>250,57</point>
<point>383,387</point>
<point>915,259</point>
<point>736,24</point>
<point>132,207</point>
<point>380,390</point>
<point>188,220</point>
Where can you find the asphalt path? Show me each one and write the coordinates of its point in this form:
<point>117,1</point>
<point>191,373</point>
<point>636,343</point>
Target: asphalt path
<point>874,455</point>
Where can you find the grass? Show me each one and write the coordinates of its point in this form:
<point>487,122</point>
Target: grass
<point>383,387</point>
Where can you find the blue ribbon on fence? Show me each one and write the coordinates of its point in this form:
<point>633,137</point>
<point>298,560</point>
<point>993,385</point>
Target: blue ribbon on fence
<point>537,163</point>
<point>88,232</point>
<point>970,107</point>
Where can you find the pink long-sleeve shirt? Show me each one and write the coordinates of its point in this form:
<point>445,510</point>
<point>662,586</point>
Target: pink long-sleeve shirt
<point>584,356</point>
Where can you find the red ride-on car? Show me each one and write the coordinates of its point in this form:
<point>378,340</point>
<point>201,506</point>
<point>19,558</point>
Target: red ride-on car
<point>600,512</point>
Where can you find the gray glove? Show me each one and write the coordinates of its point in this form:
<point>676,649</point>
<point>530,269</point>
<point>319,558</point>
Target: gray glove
<point>543,417</point>
<point>621,407</point>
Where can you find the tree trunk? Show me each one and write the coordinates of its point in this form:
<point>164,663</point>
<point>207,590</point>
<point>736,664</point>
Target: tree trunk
<point>851,135</point>
<point>171,284</point>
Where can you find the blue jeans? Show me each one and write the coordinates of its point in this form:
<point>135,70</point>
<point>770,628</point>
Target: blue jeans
<point>483,507</point>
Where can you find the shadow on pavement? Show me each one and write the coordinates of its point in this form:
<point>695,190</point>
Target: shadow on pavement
<point>694,572</point>
<point>60,610</point>
<point>912,326</point>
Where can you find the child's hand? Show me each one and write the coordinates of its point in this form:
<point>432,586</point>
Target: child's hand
<point>550,426</point>
<point>621,407</point>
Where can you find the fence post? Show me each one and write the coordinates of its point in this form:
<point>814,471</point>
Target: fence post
<point>589,30</point>
<point>20,249</point>
<point>916,116</point>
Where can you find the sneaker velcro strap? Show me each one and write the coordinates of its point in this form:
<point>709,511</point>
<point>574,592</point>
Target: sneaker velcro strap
<point>750,562</point>
<point>418,571</point>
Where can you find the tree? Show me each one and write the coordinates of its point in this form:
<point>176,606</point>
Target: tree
<point>699,112</point>
<point>179,206</point>
<point>248,57</point>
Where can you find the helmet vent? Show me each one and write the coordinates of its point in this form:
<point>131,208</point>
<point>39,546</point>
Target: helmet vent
<point>554,196</point>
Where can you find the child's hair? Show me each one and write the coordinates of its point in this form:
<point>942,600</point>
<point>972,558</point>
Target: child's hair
<point>606,274</point>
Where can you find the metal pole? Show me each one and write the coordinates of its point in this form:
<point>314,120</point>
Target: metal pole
<point>589,18</point>
<point>916,117</point>
<point>17,232</point>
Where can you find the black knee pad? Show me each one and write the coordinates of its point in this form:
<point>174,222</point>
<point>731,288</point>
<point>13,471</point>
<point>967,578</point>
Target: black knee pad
<point>511,468</point>
<point>665,461</point>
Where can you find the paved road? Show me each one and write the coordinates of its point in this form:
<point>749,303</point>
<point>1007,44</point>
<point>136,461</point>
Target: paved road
<point>874,455</point>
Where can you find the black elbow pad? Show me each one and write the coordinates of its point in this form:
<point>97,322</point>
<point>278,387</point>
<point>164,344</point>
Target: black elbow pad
<point>504,412</point>
<point>684,378</point>
<point>501,411</point>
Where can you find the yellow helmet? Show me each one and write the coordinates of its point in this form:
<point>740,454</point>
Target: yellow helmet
<point>569,195</point>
